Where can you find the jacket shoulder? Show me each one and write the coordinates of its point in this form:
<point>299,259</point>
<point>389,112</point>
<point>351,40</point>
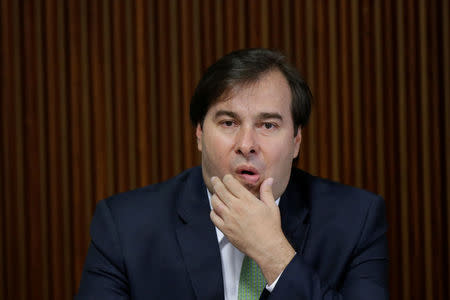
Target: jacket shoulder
<point>151,202</point>
<point>150,193</point>
<point>335,196</point>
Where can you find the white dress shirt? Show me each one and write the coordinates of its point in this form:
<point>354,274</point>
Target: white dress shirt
<point>232,260</point>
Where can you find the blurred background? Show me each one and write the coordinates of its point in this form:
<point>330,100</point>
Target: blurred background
<point>95,98</point>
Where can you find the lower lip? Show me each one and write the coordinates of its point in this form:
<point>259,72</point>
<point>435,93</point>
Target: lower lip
<point>250,178</point>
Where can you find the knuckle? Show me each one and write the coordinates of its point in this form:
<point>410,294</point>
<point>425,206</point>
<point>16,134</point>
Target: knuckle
<point>227,179</point>
<point>216,186</point>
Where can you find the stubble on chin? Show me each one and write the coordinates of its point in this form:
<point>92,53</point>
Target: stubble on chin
<point>254,189</point>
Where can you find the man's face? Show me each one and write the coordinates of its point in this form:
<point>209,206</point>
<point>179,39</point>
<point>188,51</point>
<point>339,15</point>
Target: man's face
<point>250,135</point>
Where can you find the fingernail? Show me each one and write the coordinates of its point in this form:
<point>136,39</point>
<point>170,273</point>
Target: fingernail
<point>270,181</point>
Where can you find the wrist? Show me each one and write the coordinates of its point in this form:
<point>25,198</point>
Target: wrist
<point>275,259</point>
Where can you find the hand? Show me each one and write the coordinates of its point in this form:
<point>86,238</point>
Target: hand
<point>252,225</point>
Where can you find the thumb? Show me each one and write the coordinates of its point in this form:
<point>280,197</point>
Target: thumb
<point>265,191</point>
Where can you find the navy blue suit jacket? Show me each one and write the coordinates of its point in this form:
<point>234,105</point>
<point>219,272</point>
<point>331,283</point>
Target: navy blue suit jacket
<point>158,242</point>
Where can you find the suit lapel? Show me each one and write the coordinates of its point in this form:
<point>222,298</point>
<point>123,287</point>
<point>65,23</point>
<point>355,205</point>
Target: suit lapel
<point>294,209</point>
<point>198,240</point>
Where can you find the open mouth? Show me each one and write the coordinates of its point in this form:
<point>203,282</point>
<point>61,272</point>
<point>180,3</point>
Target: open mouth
<point>248,175</point>
<point>247,172</point>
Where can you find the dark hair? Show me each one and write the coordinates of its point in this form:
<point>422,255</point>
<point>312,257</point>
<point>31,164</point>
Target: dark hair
<point>243,67</point>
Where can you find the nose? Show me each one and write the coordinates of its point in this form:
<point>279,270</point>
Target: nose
<point>246,142</point>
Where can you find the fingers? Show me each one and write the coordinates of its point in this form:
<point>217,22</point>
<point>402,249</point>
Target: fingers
<point>218,206</point>
<point>235,187</point>
<point>217,221</point>
<point>265,191</point>
<point>222,192</point>
<point>230,189</point>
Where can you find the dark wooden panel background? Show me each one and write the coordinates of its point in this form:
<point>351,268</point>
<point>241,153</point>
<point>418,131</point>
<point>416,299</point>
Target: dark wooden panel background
<point>95,97</point>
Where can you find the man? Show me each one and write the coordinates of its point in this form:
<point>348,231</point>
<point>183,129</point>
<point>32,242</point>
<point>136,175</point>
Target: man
<point>216,232</point>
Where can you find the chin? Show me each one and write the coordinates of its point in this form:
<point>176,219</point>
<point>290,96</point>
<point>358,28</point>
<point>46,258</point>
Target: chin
<point>254,189</point>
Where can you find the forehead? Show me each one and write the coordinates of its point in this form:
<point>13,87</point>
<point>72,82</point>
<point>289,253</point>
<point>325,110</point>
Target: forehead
<point>270,93</point>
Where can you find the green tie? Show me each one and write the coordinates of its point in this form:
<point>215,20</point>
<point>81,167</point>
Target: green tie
<point>251,281</point>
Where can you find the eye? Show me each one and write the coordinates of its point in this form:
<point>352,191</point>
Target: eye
<point>269,125</point>
<point>227,123</point>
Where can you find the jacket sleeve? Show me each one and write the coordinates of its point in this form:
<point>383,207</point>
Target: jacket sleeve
<point>104,275</point>
<point>366,276</point>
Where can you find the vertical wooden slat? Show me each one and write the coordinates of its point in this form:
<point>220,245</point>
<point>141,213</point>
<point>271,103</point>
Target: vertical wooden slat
<point>11,285</point>
<point>119,92</point>
<point>42,210</point>
<point>321,90</point>
<point>98,106</point>
<point>425,154</point>
<point>5,82</point>
<point>218,25</point>
<point>366,103</point>
<point>54,157</point>
<point>19,221</point>
<point>356,94</point>
<point>403,153</point>
<point>80,233</point>
<point>229,19</point>
<point>298,58</point>
<point>379,99</point>
<point>414,155</point>
<point>64,175</point>
<point>174,112</point>
<point>130,95</point>
<point>241,21</point>
<point>390,149</point>
<point>2,189</point>
<point>265,23</point>
<point>196,39</point>
<point>187,82</point>
<point>274,28</point>
<point>445,38</point>
<point>155,162</point>
<point>141,94</point>
<point>86,118</point>
<point>2,166</point>
<point>31,143</point>
<point>207,33</point>
<point>164,90</point>
<point>253,23</point>
<point>8,150</point>
<point>345,93</point>
<point>311,130</point>
<point>434,157</point>
<point>333,95</point>
<point>286,10</point>
<point>108,90</point>
<point>2,171</point>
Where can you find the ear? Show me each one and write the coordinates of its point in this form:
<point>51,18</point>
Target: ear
<point>199,134</point>
<point>297,142</point>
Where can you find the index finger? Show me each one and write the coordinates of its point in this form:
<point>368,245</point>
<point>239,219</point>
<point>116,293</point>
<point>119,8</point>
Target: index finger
<point>236,188</point>
<point>222,192</point>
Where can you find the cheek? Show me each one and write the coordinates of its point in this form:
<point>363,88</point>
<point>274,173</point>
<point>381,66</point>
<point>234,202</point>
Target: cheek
<point>278,160</point>
<point>280,151</point>
<point>217,147</point>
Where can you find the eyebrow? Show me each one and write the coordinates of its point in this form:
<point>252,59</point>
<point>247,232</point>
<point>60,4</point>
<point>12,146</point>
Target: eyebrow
<point>261,116</point>
<point>267,115</point>
<point>228,113</point>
